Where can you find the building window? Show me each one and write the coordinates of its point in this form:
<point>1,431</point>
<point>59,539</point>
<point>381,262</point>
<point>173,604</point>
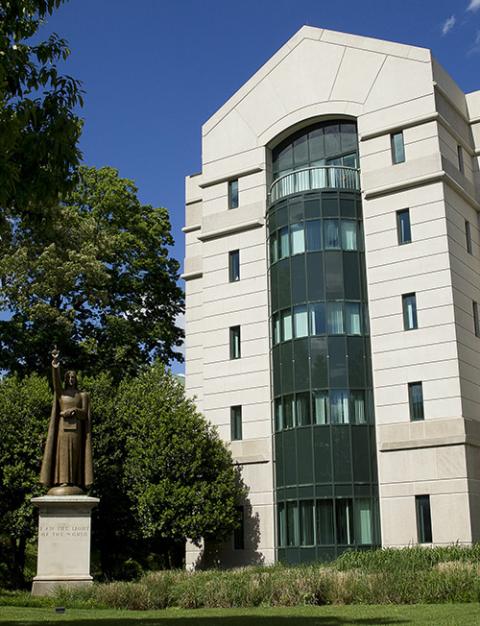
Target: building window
<point>233,194</point>
<point>234,266</point>
<point>415,400</point>
<point>424,519</point>
<point>403,226</point>
<point>468,237</point>
<point>476,323</point>
<point>460,159</point>
<point>236,423</point>
<point>235,342</point>
<point>398,148</point>
<point>239,532</point>
<point>409,302</point>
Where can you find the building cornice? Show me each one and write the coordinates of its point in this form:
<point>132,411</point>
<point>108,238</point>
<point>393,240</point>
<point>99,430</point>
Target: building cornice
<point>428,179</point>
<point>232,229</point>
<point>233,176</point>
<point>434,442</point>
<point>191,275</point>
<point>191,228</point>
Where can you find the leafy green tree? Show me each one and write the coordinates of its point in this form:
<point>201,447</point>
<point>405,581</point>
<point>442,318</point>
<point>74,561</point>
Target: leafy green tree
<point>183,483</point>
<point>24,411</point>
<point>96,278</point>
<point>39,129</point>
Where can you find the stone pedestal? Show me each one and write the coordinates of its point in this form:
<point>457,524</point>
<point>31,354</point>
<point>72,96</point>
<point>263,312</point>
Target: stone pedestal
<point>64,526</point>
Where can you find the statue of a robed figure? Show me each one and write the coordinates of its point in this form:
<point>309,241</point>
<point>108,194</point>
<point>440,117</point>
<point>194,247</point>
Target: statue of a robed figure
<point>67,460</point>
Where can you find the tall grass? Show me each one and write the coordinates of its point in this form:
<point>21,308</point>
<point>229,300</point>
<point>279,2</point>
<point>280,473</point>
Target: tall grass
<point>403,576</point>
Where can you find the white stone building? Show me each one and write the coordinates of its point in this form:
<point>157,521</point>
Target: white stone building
<point>332,278</point>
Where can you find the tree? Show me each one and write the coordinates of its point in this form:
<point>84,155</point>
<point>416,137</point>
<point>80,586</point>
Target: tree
<point>95,277</point>
<point>183,484</point>
<point>24,411</point>
<point>39,129</point>
<point>169,465</point>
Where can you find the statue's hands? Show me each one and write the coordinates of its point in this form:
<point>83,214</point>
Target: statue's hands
<point>55,357</point>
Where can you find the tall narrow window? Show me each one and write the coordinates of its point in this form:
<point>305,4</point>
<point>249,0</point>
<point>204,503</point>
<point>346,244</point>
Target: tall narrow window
<point>235,342</point>
<point>292,524</point>
<point>325,532</point>
<point>297,235</point>
<point>306,523</point>
<point>335,318</point>
<point>320,407</point>
<point>239,532</point>
<point>349,234</point>
<point>317,318</point>
<point>302,409</point>
<point>314,234</point>
<point>409,303</point>
<point>415,400</point>
<point>300,321</point>
<point>282,527</point>
<point>234,265</point>
<point>339,409</point>
<point>233,194</point>
<point>398,148</point>
<point>286,325</point>
<point>283,245</point>
<point>476,322</point>
<point>352,318</point>
<point>236,423</point>
<point>468,237</point>
<point>403,226</point>
<point>460,158</point>
<point>344,515</point>
<point>424,519</point>
<point>276,328</point>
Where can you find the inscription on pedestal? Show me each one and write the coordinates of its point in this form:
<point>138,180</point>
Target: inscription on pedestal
<point>62,530</point>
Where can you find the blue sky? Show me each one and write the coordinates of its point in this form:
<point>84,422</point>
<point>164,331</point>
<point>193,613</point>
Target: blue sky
<point>155,70</point>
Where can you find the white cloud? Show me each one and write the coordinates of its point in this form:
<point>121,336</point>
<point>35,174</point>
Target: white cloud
<point>474,5</point>
<point>449,24</point>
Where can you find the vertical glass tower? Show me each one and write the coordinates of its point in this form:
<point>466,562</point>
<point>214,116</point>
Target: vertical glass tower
<point>325,453</point>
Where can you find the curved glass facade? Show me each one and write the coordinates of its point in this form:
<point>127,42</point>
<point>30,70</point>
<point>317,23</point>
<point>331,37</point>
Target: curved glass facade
<point>326,481</point>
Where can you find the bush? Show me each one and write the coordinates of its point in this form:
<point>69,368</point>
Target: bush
<point>405,576</point>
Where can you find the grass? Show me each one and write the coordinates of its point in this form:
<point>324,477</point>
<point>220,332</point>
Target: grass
<point>422,615</point>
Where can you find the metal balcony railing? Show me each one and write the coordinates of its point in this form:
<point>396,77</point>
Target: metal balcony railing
<point>310,178</point>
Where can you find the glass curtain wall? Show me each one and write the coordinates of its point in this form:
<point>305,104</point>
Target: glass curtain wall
<point>326,477</point>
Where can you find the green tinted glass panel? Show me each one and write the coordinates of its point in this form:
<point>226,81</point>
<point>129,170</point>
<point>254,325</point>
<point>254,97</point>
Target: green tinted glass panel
<point>305,456</point>
<point>307,535</point>
<point>337,362</point>
<point>351,275</point>
<point>283,273</point>
<point>315,282</point>
<point>318,354</point>
<point>299,283</point>
<point>312,208</point>
<point>287,367</point>
<point>302,373</point>
<point>334,275</point>
<point>356,362</point>
<point>361,454</point>
<point>289,451</point>
<point>342,466</point>
<point>322,454</point>
<point>325,525</point>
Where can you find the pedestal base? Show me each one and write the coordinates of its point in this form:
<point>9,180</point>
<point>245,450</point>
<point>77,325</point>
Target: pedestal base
<point>64,527</point>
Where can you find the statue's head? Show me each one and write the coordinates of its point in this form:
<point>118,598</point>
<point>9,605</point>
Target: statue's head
<point>70,379</point>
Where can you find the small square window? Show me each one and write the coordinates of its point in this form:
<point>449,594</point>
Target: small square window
<point>235,342</point>
<point>233,194</point>
<point>424,519</point>
<point>403,226</point>
<point>239,532</point>
<point>409,304</point>
<point>468,237</point>
<point>398,148</point>
<point>236,423</point>
<point>415,400</point>
<point>476,322</point>
<point>461,166</point>
<point>234,266</point>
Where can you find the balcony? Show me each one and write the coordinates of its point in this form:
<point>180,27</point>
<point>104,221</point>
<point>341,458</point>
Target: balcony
<point>313,178</point>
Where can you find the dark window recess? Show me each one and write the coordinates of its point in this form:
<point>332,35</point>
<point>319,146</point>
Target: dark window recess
<point>409,305</point>
<point>234,266</point>
<point>468,237</point>
<point>476,322</point>
<point>239,532</point>
<point>403,226</point>
<point>461,165</point>
<point>236,423</point>
<point>233,194</point>
<point>398,148</point>
<point>424,519</point>
<point>235,342</point>
<point>415,400</point>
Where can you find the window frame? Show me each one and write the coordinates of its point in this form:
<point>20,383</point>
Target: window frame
<point>414,414</point>
<point>468,237</point>
<point>233,195</point>
<point>424,531</point>
<point>401,241</point>
<point>405,297</point>
<point>233,255</point>
<point>397,156</point>
<point>476,319</point>
<point>234,330</point>
<point>236,423</point>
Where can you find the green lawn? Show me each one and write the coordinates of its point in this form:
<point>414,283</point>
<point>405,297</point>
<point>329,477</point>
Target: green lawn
<point>434,614</point>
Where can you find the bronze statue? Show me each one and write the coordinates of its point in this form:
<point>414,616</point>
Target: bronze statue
<point>67,460</point>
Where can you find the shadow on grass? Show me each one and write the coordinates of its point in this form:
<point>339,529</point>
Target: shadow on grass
<point>223,620</point>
